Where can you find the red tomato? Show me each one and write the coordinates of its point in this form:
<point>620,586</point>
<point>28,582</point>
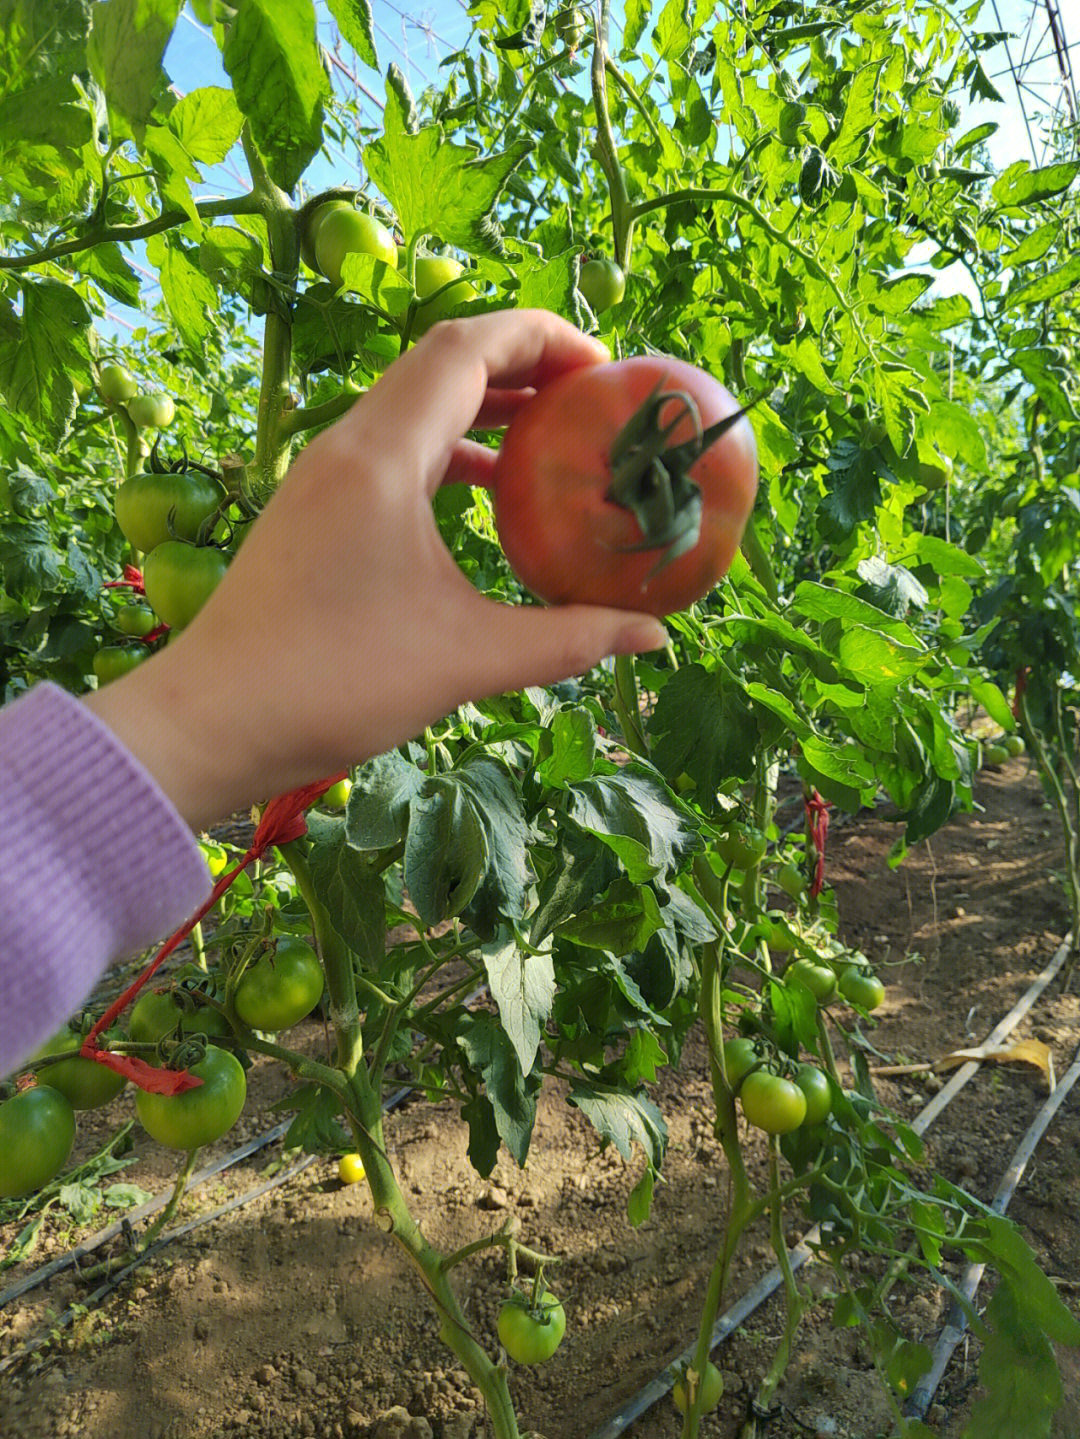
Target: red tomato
<point>566,539</point>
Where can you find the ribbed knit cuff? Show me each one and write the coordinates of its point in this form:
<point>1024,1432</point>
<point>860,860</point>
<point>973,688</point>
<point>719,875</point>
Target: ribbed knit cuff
<point>95,863</point>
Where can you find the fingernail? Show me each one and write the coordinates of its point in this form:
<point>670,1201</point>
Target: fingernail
<point>645,635</point>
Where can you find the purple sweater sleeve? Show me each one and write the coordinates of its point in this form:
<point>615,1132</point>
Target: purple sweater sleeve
<point>95,863</point>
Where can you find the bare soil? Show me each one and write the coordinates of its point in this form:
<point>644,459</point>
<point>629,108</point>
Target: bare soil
<point>294,1315</point>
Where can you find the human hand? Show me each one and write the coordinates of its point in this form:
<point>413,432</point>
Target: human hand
<point>343,626</point>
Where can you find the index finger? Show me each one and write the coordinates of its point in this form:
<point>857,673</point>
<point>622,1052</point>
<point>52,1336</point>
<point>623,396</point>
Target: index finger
<point>427,399</point>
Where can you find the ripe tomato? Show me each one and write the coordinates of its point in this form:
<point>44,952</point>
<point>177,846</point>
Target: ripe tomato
<point>712,1383</point>
<point>151,412</point>
<point>772,1103</point>
<point>83,1083</point>
<point>532,1335</point>
<point>112,661</point>
<point>115,384</point>
<point>814,1084</point>
<point>350,1169</point>
<point>792,880</point>
<point>740,1057</point>
<point>861,987</point>
<point>337,796</point>
<point>432,273</point>
<point>276,993</point>
<point>345,231</point>
<point>145,502</point>
<point>136,620</point>
<point>37,1130</point>
<point>817,978</point>
<point>311,228</point>
<point>180,578</point>
<point>198,1116</point>
<point>742,847</point>
<point>567,541</point>
<point>603,284</point>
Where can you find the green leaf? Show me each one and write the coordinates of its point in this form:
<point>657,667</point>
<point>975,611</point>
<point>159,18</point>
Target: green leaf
<point>357,26</point>
<point>37,349</point>
<point>125,49</point>
<point>974,137</point>
<point>623,1117</point>
<point>446,851</point>
<point>1020,185</point>
<point>189,295</point>
<point>896,296</point>
<point>644,1056</point>
<point>632,812</point>
<point>272,56</point>
<point>1046,287</point>
<point>207,122</point>
<point>860,113</point>
<point>1018,1372</point>
<point>639,1204</point>
<point>573,749</point>
<point>483,1149</point>
<point>579,869</point>
<point>351,891</point>
<point>511,1094</point>
<point>704,724</point>
<point>987,694</point>
<point>523,987</point>
<point>317,1129</point>
<point>623,921</point>
<point>378,813</point>
<point>1033,246</point>
<point>106,266</point>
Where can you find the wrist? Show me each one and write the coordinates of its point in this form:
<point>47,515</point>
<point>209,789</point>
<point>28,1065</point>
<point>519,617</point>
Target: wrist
<point>184,733</point>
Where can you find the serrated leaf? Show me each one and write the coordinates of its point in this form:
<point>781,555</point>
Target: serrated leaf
<point>511,1094</point>
<point>632,812</point>
<point>189,295</point>
<point>349,888</point>
<point>523,987</point>
<point>377,816</point>
<point>623,1117</point>
<point>704,724</point>
<point>125,49</point>
<point>38,347</point>
<point>207,122</point>
<point>357,26</point>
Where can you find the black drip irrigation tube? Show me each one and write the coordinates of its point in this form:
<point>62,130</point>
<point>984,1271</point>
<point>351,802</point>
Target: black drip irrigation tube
<point>803,1252</point>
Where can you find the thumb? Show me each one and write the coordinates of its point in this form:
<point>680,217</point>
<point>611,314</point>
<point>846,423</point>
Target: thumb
<point>528,645</point>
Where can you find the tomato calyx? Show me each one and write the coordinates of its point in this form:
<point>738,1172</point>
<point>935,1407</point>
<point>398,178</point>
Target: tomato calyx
<point>650,478</point>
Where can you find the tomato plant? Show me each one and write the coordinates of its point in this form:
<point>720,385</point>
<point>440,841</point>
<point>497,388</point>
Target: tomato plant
<point>135,620</point>
<point>576,504</point>
<point>116,384</point>
<point>772,1103</point>
<point>712,1385</point>
<point>531,1332</point>
<point>817,1092</point>
<point>37,1130</point>
<point>432,273</point>
<point>344,231</point>
<point>603,284</point>
<point>817,978</point>
<point>112,661</point>
<point>279,990</point>
<point>84,1083</point>
<point>861,988</point>
<point>180,578</point>
<point>147,504</point>
<point>151,412</point>
<point>197,1116</point>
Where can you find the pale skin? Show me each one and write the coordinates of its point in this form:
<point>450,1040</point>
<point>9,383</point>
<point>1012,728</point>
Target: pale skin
<point>343,626</point>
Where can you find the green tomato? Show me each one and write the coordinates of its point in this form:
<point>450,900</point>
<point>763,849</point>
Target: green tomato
<point>351,1169</point>
<point>792,881</point>
<point>217,859</point>
<point>136,620</point>
<point>311,228</point>
<point>37,1130</point>
<point>151,412</point>
<point>712,1385</point>
<point>817,978</point>
<point>740,1056</point>
<point>432,273</point>
<point>775,936</point>
<point>158,1012</point>
<point>861,987</point>
<point>180,578</point>
<point>995,755</point>
<point>935,477</point>
<point>145,503</point>
<point>279,991</point>
<point>603,284</point>
<point>115,384</point>
<point>742,847</point>
<point>817,1091</point>
<point>84,1083</point>
<point>531,1336</point>
<point>112,661</point>
<point>571,26</point>
<point>198,1116</point>
<point>771,1103</point>
<point>1014,743</point>
<point>337,796</point>
<point>350,232</point>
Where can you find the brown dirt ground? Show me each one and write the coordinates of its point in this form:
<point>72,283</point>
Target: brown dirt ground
<point>293,1315</point>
